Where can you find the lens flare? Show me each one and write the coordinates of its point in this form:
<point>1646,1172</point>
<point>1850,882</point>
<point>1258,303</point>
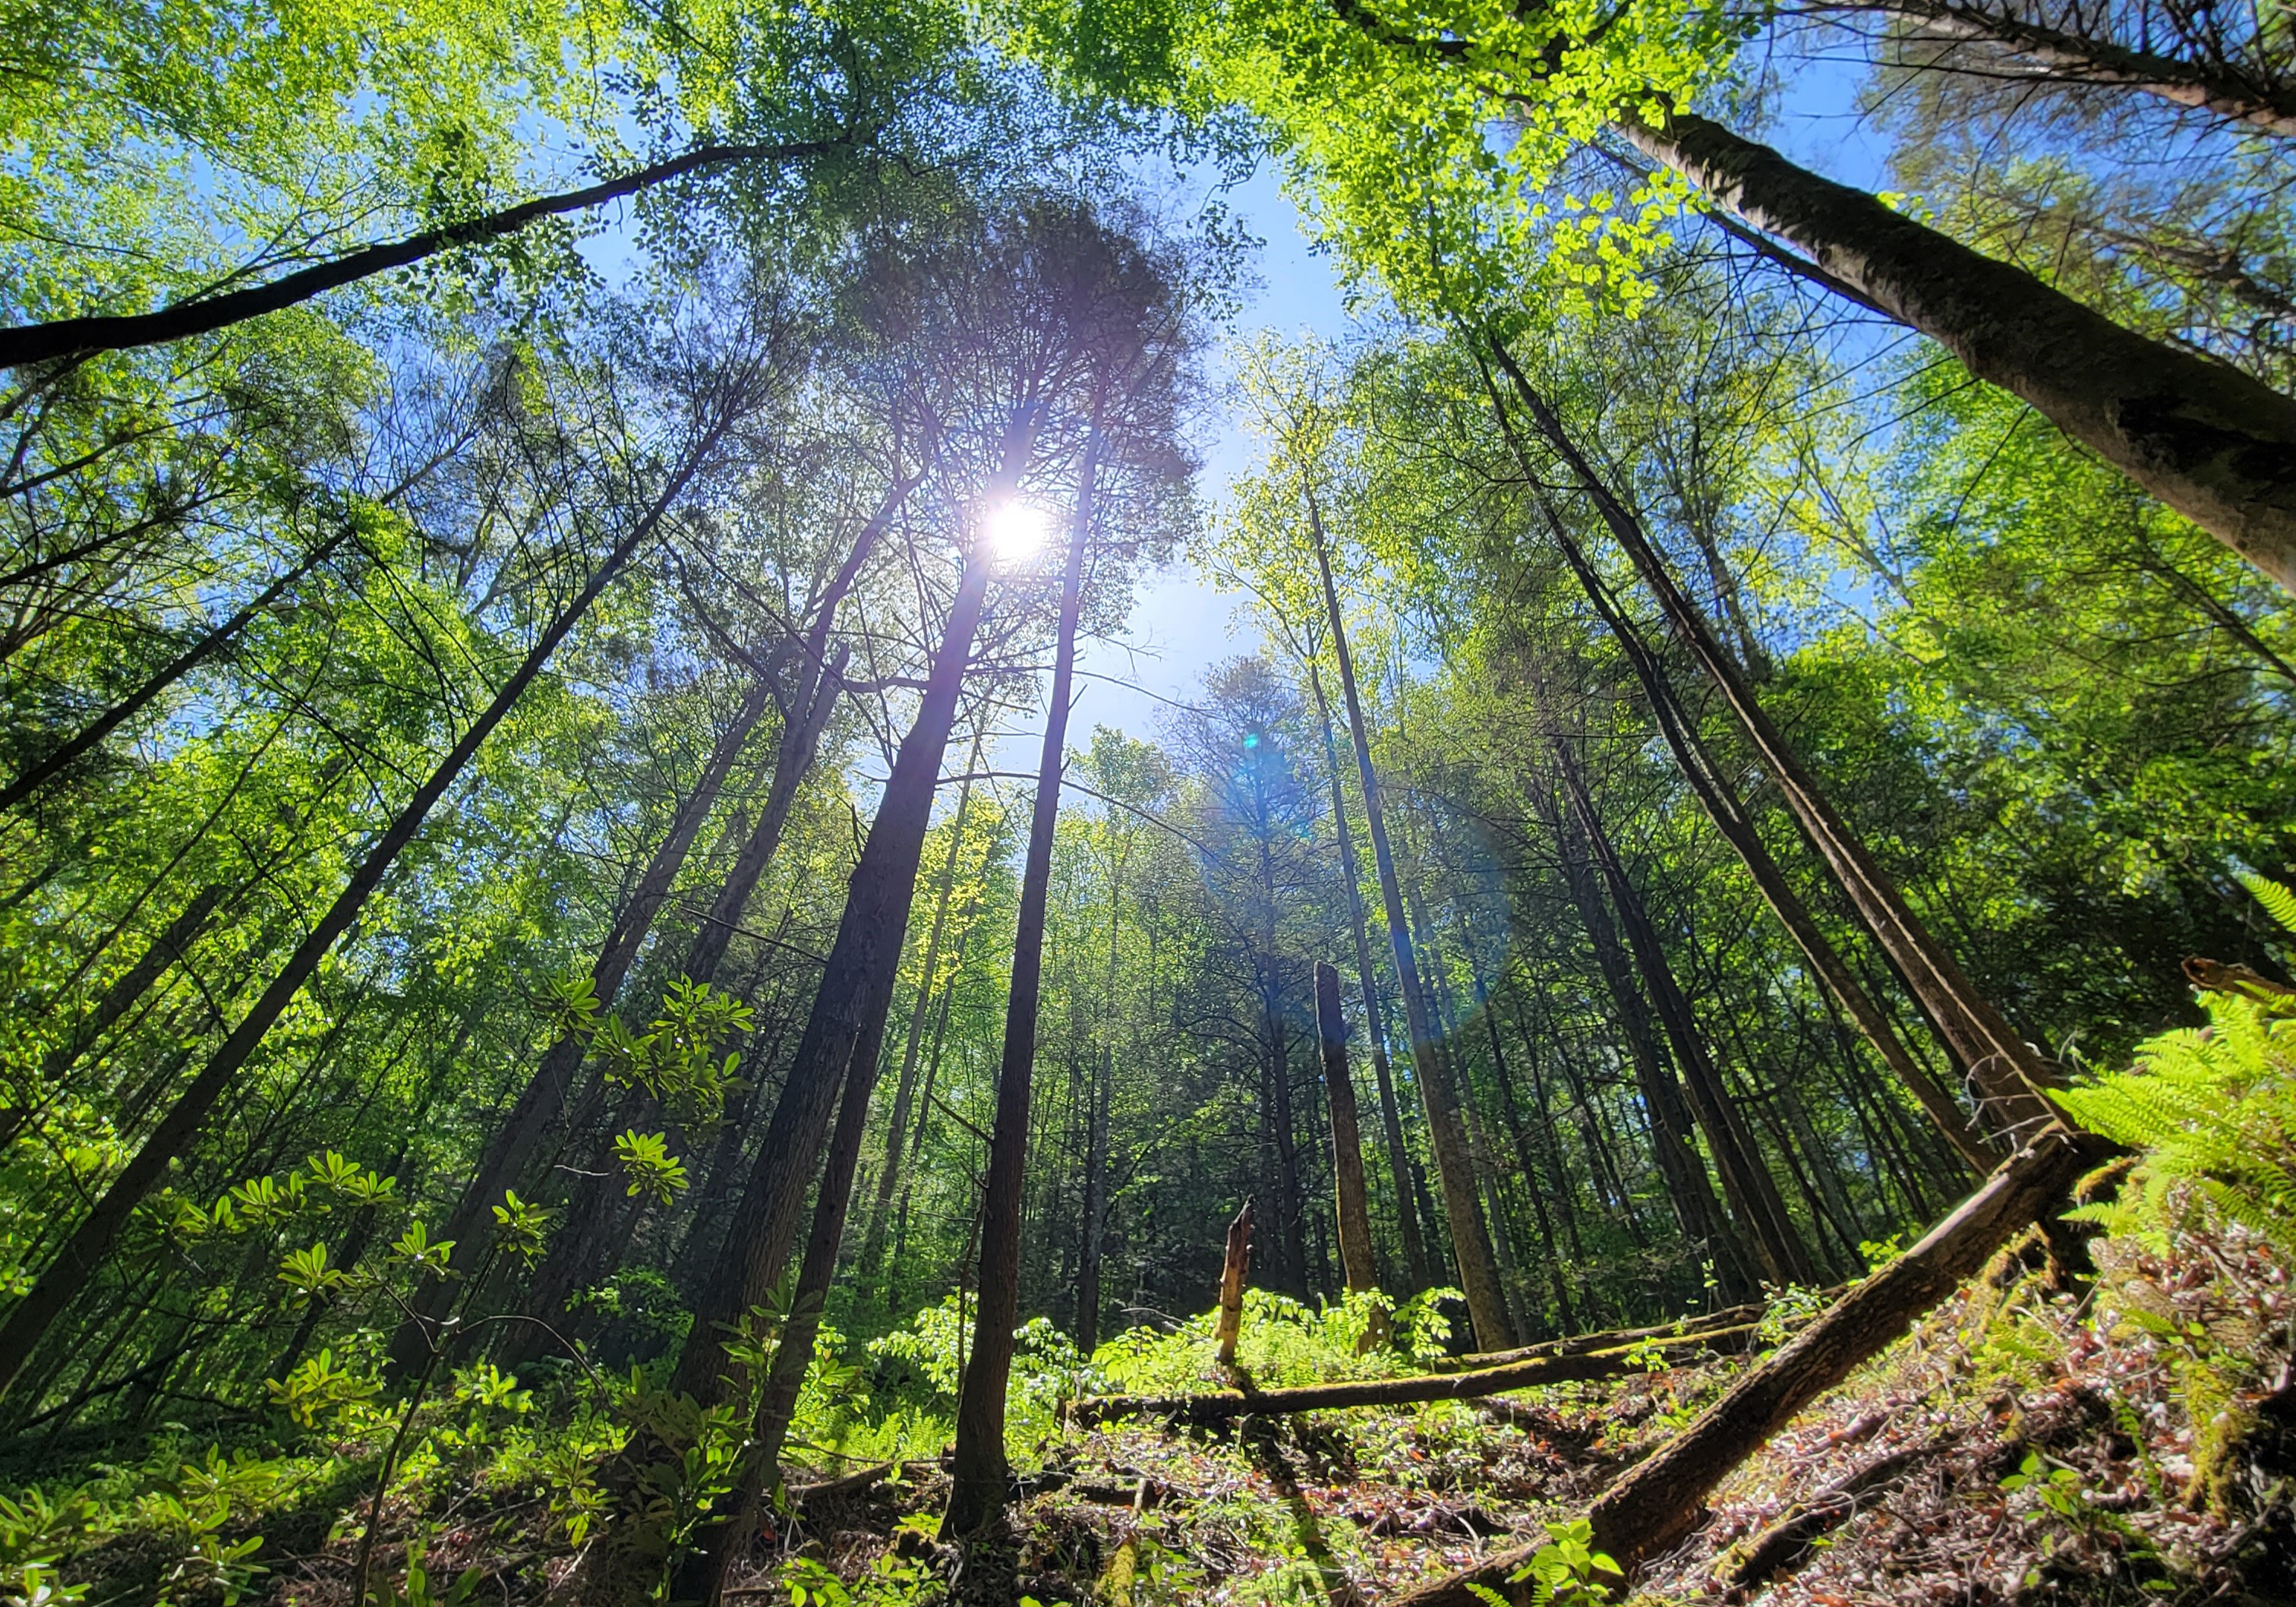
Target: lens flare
<point>1016,530</point>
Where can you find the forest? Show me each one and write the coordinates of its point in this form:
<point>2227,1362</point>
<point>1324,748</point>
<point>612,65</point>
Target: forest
<point>1695,1005</point>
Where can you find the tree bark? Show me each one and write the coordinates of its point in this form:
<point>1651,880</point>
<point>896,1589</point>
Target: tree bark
<point>1657,1502</point>
<point>1390,1112</point>
<point>204,315</point>
<point>1346,1141</point>
<point>977,1487</point>
<point>1471,1243</point>
<point>873,1244</point>
<point>1095,1229</point>
<point>2073,58</point>
<point>2006,1069</point>
<point>69,1272</point>
<point>2207,440</point>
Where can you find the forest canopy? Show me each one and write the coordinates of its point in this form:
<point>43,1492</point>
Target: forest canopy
<point>579,1021</point>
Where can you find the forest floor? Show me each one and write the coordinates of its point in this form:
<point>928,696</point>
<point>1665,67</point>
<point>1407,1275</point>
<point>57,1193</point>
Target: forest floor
<point>2128,1436</point>
<point>2025,1444</point>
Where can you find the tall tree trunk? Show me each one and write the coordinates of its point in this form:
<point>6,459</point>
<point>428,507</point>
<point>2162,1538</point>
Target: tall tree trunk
<point>1558,1276</point>
<point>204,315</point>
<point>1730,818</point>
<point>2211,442</point>
<point>873,1244</point>
<point>121,996</point>
<point>717,1540</point>
<point>65,754</point>
<point>2006,1067</point>
<point>1095,1211</point>
<point>69,1272</point>
<point>1390,1112</point>
<point>978,1477</point>
<point>1696,1211</point>
<point>1753,1193</point>
<point>519,1135</point>
<point>857,983</point>
<point>2079,60</point>
<point>1353,1202</point>
<point>1471,1243</point>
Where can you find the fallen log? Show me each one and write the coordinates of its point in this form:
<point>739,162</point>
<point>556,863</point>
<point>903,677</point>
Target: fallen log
<point>1798,1530</point>
<point>1579,1344</point>
<point>1658,1502</point>
<point>1221,1405</point>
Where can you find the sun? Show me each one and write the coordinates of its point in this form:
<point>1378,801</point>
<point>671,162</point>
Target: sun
<point>1016,529</point>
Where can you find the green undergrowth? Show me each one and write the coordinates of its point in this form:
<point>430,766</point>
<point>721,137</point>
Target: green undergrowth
<point>2120,1431</point>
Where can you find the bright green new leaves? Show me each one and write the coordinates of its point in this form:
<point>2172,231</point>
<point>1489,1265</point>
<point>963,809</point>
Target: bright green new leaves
<point>676,1060</point>
<point>652,1171</point>
<point>1428,139</point>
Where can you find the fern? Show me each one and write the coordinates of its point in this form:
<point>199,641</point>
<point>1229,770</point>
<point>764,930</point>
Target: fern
<point>2278,902</point>
<point>2215,1111</point>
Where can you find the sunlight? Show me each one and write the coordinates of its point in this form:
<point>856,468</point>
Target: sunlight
<point>1016,530</point>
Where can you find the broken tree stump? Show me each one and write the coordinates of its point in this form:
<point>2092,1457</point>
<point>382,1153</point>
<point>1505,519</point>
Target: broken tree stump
<point>1657,1502</point>
<point>1233,1273</point>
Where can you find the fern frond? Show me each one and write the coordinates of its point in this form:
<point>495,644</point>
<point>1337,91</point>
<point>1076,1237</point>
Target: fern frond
<point>2278,902</point>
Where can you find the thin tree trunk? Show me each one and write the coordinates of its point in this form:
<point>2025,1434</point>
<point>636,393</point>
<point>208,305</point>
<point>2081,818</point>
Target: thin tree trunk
<point>204,315</point>
<point>69,1272</point>
<point>68,752</point>
<point>1095,1207</point>
<point>1697,1213</point>
<point>1558,1276</point>
<point>1471,1243</point>
<point>1753,1193</point>
<point>122,996</point>
<point>978,1477</point>
<point>2004,1066</point>
<point>519,1134</point>
<point>1390,1112</point>
<point>2211,442</point>
<point>1347,1142</point>
<point>1730,818</point>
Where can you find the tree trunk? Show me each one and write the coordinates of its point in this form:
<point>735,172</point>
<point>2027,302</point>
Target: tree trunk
<point>519,1135</point>
<point>1235,1271</point>
<point>1697,1213</point>
<point>69,1273</point>
<point>1471,1243</point>
<point>1390,1112</point>
<point>1657,1502</point>
<point>121,996</point>
<point>2077,59</point>
<point>2207,440</point>
<point>1347,1142</point>
<point>204,315</point>
<point>1558,1276</point>
<point>2006,1067</point>
<point>719,1539</point>
<point>1567,1366</point>
<point>873,1244</point>
<point>65,754</point>
<point>978,1478</point>
<point>855,990</point>
<point>1731,819</point>
<point>1753,1193</point>
<point>1096,1207</point>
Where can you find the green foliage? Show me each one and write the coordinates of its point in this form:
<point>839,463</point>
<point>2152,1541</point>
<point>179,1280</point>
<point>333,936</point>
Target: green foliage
<point>2214,1110</point>
<point>652,1171</point>
<point>1567,1570</point>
